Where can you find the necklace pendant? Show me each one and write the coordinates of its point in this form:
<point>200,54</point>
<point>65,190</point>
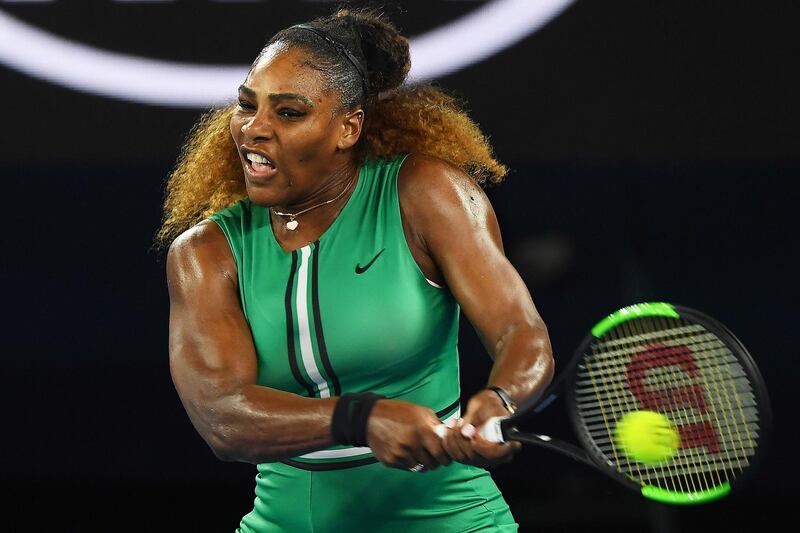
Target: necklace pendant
<point>292,225</point>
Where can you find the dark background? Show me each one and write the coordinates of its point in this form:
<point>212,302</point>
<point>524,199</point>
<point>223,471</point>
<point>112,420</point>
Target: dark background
<point>654,148</point>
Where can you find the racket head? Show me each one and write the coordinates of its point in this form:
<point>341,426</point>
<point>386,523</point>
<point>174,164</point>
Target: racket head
<point>687,366</point>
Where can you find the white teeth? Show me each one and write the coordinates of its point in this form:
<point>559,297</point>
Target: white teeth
<point>257,158</point>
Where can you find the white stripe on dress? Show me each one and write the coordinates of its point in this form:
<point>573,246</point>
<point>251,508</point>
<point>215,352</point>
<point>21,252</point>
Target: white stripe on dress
<point>434,284</point>
<point>303,328</point>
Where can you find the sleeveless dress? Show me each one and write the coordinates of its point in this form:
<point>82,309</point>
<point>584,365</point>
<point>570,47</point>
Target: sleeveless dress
<point>352,312</point>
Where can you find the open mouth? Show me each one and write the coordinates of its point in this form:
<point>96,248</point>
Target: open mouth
<point>259,166</point>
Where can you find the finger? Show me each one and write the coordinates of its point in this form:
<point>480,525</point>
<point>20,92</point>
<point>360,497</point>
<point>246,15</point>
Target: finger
<point>468,431</point>
<point>408,461</point>
<point>396,462</point>
<point>422,457</point>
<point>465,446</point>
<point>401,457</point>
<point>468,418</point>
<point>492,451</point>
<point>465,432</point>
<point>434,445</point>
<point>451,446</point>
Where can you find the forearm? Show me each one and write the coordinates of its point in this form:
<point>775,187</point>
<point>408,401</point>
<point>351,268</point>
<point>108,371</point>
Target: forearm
<point>258,424</point>
<point>523,361</point>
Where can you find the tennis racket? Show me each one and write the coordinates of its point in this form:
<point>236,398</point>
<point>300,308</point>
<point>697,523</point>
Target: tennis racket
<point>677,362</point>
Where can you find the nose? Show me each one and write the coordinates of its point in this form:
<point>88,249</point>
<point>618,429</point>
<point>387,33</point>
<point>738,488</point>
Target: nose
<point>258,127</point>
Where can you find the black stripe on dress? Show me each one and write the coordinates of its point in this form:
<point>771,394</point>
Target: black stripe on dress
<point>336,465</point>
<point>448,409</point>
<point>340,465</point>
<point>290,331</point>
<point>323,351</point>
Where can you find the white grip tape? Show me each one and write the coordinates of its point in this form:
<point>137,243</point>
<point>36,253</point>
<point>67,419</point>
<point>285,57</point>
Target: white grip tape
<point>491,430</point>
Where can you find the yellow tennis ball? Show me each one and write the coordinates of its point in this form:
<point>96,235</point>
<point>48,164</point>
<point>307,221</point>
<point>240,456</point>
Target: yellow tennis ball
<point>647,437</point>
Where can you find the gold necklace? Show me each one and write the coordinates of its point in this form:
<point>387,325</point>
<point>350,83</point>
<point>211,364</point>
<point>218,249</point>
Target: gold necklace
<point>292,224</point>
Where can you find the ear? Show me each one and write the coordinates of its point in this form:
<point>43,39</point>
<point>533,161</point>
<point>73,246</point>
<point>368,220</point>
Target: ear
<point>352,122</point>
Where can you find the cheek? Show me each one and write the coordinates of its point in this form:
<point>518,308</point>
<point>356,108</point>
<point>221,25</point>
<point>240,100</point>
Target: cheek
<point>235,127</point>
<point>315,144</point>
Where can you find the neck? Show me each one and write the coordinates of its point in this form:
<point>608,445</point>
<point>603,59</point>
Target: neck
<point>328,189</point>
<point>306,221</point>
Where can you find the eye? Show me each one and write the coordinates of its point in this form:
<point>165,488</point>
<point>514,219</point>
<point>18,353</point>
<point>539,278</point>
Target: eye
<point>288,112</point>
<point>246,105</point>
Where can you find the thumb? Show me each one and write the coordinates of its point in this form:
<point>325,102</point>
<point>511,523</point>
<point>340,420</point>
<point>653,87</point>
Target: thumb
<point>468,430</point>
<point>466,427</point>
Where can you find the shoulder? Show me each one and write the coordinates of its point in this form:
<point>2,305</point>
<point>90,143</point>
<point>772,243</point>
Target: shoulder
<point>420,170</point>
<point>433,191</point>
<point>200,251</point>
<point>207,240</point>
<point>203,237</point>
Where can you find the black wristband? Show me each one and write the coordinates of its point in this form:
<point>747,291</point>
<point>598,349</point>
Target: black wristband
<point>361,417</point>
<point>508,402</point>
<point>350,417</point>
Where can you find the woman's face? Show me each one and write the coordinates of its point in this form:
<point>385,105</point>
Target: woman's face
<point>290,129</point>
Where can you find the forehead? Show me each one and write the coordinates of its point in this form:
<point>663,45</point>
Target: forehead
<point>284,69</point>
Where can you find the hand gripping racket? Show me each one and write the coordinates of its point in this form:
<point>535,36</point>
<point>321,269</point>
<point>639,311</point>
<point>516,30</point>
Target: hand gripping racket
<point>672,360</point>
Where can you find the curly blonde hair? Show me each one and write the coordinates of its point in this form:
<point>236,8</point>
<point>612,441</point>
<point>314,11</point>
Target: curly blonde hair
<point>422,119</point>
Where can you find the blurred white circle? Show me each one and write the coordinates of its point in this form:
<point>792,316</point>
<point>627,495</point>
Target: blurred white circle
<point>455,45</point>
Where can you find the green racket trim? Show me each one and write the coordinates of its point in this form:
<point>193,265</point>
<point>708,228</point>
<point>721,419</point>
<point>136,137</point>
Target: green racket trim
<point>686,498</point>
<point>634,311</point>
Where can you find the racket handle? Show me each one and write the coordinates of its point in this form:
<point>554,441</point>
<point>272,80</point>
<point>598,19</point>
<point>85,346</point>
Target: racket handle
<point>492,431</point>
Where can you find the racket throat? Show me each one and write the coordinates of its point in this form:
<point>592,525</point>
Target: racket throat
<point>544,441</point>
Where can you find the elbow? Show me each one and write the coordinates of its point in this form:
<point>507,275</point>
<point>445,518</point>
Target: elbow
<point>223,447</point>
<point>232,447</point>
<point>544,365</point>
<point>222,429</point>
<point>222,433</point>
<point>225,453</point>
<point>549,370</point>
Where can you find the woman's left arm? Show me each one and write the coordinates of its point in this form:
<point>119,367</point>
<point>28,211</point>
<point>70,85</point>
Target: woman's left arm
<point>452,221</point>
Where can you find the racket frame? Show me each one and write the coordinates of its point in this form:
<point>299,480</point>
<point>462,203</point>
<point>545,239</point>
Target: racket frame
<point>590,454</point>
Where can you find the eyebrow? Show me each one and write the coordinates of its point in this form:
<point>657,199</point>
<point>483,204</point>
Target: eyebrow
<point>277,97</point>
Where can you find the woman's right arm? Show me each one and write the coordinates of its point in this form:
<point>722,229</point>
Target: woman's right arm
<point>213,361</point>
<point>214,366</point>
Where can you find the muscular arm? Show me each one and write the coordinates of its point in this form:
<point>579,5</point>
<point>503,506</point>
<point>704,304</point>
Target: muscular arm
<point>213,361</point>
<point>452,220</point>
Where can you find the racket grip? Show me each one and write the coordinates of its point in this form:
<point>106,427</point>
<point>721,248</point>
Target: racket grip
<point>492,431</point>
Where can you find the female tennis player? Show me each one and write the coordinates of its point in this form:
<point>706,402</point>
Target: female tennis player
<point>325,232</point>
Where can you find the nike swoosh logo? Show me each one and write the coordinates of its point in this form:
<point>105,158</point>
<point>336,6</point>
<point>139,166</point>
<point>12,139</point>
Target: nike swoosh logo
<point>361,270</point>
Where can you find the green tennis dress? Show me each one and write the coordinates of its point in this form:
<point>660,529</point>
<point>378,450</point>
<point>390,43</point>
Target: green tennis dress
<point>352,312</point>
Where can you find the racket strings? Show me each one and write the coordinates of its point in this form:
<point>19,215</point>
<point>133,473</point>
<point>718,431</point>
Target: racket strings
<point>695,463</point>
<point>692,463</point>
<point>685,482</point>
<point>717,465</point>
<point>684,371</point>
<point>724,422</point>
